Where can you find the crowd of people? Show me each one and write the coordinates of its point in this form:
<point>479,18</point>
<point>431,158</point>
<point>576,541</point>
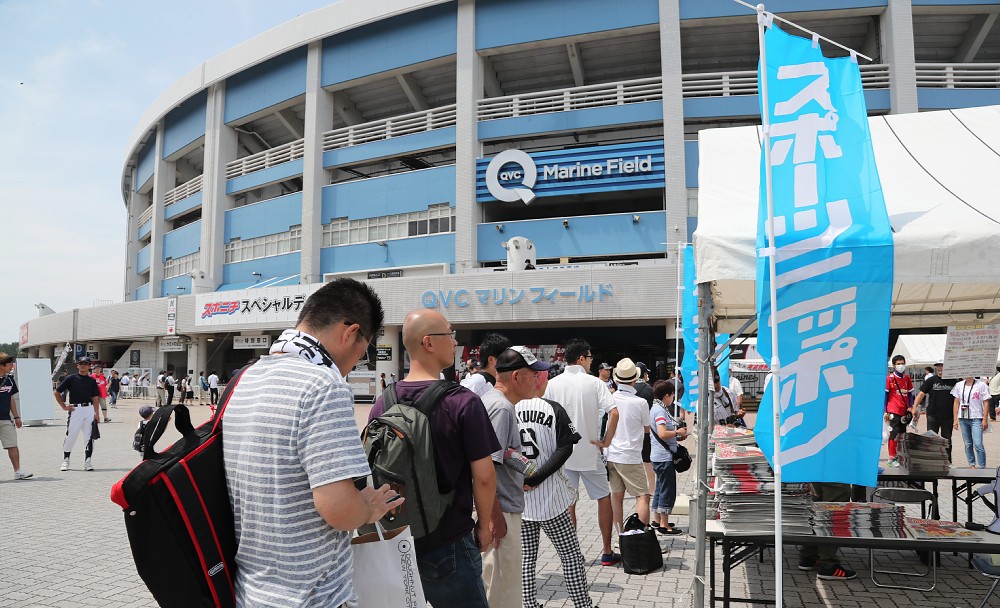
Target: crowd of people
<point>966,404</point>
<point>511,444</point>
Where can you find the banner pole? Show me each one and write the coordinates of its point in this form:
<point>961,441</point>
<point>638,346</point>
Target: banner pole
<point>771,252</point>
<point>677,324</point>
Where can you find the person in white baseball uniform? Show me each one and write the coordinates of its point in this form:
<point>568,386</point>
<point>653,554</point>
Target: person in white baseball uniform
<point>84,411</point>
<point>548,437</point>
<point>586,399</point>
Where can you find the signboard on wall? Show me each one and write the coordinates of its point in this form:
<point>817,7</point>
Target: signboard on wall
<point>23,336</point>
<point>171,316</point>
<point>515,175</point>
<point>251,342</point>
<point>383,352</point>
<point>279,305</point>
<point>971,350</point>
<point>171,345</point>
<point>134,358</point>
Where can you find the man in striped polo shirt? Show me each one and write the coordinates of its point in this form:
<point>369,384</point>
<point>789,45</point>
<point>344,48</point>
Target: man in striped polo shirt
<point>292,452</point>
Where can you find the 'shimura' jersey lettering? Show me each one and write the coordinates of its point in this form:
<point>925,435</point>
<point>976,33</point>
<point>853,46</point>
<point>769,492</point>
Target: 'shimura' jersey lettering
<point>536,417</point>
<point>545,426</point>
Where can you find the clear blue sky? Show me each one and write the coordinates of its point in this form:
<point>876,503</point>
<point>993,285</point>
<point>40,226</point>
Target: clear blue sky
<point>75,77</point>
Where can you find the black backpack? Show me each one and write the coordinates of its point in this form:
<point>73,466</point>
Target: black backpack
<point>177,512</point>
<point>400,450</point>
<point>137,437</point>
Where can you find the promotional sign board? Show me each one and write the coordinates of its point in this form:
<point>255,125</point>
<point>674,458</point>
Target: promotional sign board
<point>383,352</point>
<point>275,305</point>
<point>828,260</point>
<point>515,175</point>
<point>134,358</point>
<point>171,345</point>
<point>34,385</point>
<point>251,342</point>
<point>971,350</point>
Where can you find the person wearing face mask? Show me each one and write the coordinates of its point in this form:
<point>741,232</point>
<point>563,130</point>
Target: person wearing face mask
<point>898,399</point>
<point>970,415</point>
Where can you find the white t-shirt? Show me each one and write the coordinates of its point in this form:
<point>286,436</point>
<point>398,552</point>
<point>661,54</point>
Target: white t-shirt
<point>213,381</point>
<point>633,423</point>
<point>477,384</point>
<point>735,386</point>
<point>159,381</point>
<point>586,399</point>
<point>973,396</point>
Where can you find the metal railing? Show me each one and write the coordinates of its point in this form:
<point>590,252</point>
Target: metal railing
<point>183,191</point>
<point>574,98</point>
<point>268,158</point>
<point>959,75</point>
<point>728,84</point>
<point>386,128</point>
<point>145,216</point>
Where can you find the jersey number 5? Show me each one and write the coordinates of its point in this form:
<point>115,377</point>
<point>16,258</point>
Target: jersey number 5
<point>530,450</point>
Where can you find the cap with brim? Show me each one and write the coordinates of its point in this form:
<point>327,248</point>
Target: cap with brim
<point>606,365</point>
<point>82,360</point>
<point>519,357</point>
<point>626,371</point>
<point>146,410</point>
<point>643,370</point>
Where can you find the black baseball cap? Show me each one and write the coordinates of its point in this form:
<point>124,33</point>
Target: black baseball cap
<point>643,370</point>
<point>82,360</point>
<point>519,357</point>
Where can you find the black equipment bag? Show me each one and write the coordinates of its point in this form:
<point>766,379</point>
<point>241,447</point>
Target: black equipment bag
<point>641,552</point>
<point>177,513</point>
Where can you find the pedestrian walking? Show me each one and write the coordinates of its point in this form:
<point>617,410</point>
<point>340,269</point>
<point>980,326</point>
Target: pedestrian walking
<point>213,387</point>
<point>202,388</point>
<point>10,416</point>
<point>161,389</point>
<point>84,411</point>
<point>940,405</point>
<point>170,384</point>
<point>102,385</point>
<point>114,388</point>
<point>898,400</point>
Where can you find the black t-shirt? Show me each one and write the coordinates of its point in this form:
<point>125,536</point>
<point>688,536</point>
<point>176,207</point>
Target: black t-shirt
<point>81,388</point>
<point>116,384</point>
<point>940,403</point>
<point>644,390</point>
<point>8,388</point>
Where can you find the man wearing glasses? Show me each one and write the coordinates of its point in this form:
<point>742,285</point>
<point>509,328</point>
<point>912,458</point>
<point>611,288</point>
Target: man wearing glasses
<point>586,399</point>
<point>292,453</point>
<point>451,566</point>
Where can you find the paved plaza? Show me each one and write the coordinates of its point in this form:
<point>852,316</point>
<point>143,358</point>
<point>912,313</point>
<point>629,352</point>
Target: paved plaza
<point>64,544</point>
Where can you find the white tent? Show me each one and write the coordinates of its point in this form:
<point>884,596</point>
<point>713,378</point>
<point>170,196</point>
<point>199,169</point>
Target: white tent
<point>940,174</point>
<point>920,350</point>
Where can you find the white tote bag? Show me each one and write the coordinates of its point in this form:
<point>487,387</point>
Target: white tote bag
<point>385,570</point>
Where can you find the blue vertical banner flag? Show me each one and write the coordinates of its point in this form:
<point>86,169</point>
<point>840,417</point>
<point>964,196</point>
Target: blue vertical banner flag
<point>834,268</point>
<point>689,333</point>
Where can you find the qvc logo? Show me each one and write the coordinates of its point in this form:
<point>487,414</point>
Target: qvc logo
<point>526,174</point>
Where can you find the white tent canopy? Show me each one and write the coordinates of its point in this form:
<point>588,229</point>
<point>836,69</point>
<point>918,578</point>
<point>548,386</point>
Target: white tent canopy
<point>940,174</point>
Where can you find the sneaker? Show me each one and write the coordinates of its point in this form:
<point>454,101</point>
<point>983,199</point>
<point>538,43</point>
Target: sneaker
<point>107,420</point>
<point>894,462</point>
<point>21,475</point>
<point>808,564</point>
<point>87,466</point>
<point>610,559</point>
<point>835,573</point>
<point>65,465</point>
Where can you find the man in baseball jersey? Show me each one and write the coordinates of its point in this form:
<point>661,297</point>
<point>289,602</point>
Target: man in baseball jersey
<point>548,437</point>
<point>586,400</point>
<point>517,371</point>
<point>84,410</point>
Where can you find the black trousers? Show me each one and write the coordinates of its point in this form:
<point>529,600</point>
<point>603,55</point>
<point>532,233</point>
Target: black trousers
<point>941,426</point>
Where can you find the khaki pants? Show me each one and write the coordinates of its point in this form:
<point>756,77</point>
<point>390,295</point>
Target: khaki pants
<point>502,567</point>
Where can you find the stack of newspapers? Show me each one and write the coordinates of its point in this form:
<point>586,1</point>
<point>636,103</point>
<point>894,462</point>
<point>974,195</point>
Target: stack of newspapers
<point>744,493</point>
<point>924,453</point>
<point>861,519</point>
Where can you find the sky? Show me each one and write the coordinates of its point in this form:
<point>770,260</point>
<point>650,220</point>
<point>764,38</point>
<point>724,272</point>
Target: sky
<point>75,78</point>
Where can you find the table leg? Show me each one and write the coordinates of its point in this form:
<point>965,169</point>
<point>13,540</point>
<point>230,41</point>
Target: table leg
<point>726,559</point>
<point>954,499</point>
<point>711,572</point>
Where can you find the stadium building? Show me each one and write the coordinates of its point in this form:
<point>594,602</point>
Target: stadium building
<point>528,166</point>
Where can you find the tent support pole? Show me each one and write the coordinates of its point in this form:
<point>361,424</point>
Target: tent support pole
<point>706,311</point>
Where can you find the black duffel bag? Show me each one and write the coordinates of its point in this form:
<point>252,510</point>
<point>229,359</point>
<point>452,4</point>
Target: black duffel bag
<point>641,552</point>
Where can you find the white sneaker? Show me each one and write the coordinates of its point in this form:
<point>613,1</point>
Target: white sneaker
<point>21,475</point>
<point>65,465</point>
<point>87,466</point>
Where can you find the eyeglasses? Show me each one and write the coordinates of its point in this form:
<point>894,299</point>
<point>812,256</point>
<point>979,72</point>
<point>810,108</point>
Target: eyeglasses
<point>451,333</point>
<point>588,356</point>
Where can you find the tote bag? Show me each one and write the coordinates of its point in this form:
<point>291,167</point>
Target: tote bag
<point>385,570</point>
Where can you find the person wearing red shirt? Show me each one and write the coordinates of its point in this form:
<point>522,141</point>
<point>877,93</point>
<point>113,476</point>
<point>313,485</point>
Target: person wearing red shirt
<point>898,399</point>
<point>102,385</point>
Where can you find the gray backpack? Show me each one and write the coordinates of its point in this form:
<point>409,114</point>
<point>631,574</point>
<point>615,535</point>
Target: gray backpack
<point>400,450</point>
